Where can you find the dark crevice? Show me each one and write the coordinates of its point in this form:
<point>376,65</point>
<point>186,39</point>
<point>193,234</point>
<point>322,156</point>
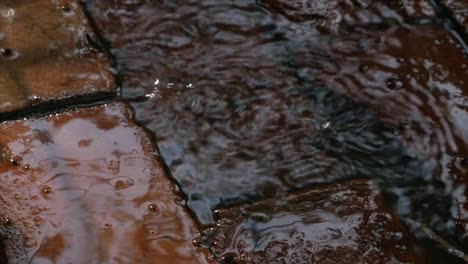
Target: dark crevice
<point>3,257</point>
<point>154,143</point>
<point>102,44</point>
<point>59,105</point>
<point>451,24</point>
<point>106,47</point>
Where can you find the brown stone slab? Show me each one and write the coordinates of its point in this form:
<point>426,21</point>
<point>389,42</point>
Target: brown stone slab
<point>47,54</point>
<point>341,223</point>
<point>85,187</point>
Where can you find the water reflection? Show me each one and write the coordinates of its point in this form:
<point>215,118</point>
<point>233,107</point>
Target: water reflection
<point>290,93</point>
<point>104,200</point>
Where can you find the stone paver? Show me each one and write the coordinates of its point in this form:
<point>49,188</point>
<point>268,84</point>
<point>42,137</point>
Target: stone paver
<point>416,78</point>
<point>342,223</point>
<point>233,119</point>
<point>46,53</point>
<point>395,71</point>
<point>85,187</point>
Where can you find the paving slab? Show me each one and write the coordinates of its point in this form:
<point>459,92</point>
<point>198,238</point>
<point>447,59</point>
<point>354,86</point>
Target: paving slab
<point>415,77</point>
<point>86,187</point>
<point>221,87</point>
<point>47,54</point>
<point>341,223</point>
<point>396,71</point>
<point>144,57</point>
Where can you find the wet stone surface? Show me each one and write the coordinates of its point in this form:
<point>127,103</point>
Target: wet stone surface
<point>415,78</point>
<point>85,187</point>
<point>253,99</point>
<point>341,223</point>
<point>240,95</point>
<point>459,8</point>
<point>47,53</point>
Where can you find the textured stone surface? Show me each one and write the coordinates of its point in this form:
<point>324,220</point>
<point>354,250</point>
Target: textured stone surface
<point>416,79</point>
<point>46,53</point>
<point>459,9</point>
<point>85,187</point>
<point>254,98</point>
<point>342,223</point>
<point>232,96</point>
<point>328,15</point>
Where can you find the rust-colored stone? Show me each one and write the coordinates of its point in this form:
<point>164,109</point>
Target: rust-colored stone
<point>341,223</point>
<point>47,53</point>
<point>86,187</point>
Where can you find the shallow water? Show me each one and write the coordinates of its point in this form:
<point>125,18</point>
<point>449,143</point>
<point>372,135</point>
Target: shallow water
<point>254,99</point>
<point>80,187</point>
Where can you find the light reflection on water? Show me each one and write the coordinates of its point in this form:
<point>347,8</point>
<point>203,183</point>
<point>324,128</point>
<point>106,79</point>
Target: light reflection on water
<point>284,96</point>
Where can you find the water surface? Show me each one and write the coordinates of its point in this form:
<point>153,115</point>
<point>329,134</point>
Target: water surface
<point>255,99</point>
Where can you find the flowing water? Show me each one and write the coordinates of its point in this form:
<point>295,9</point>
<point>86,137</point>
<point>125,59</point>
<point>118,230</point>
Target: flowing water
<point>254,99</point>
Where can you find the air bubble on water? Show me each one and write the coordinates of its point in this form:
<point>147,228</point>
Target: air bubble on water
<point>394,83</point>
<point>34,99</point>
<point>45,191</point>
<point>65,8</point>
<point>154,208</point>
<point>16,160</point>
<point>7,222</point>
<point>196,242</point>
<point>120,184</point>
